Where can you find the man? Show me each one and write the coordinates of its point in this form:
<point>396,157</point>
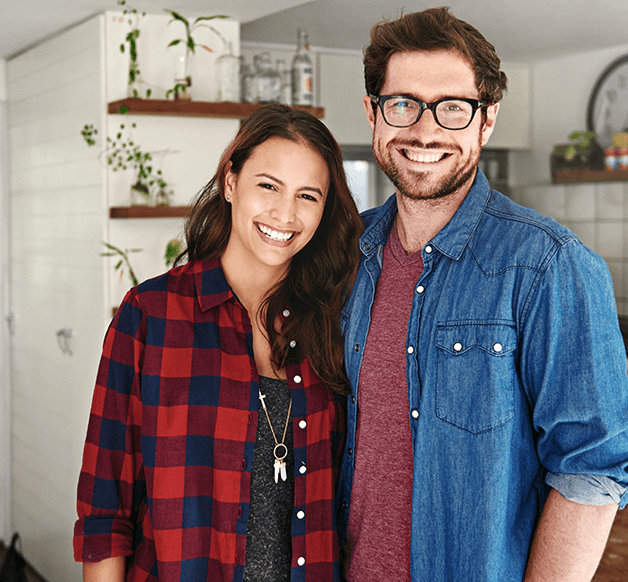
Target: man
<point>488,424</point>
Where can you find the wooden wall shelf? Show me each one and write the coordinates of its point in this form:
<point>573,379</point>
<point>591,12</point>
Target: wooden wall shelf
<point>588,175</point>
<point>182,108</point>
<point>161,211</point>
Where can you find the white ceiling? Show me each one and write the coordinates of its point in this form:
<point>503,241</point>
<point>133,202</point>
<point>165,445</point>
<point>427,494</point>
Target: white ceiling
<point>521,30</point>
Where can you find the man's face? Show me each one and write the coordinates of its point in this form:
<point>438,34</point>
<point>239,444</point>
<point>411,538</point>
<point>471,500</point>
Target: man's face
<point>426,161</point>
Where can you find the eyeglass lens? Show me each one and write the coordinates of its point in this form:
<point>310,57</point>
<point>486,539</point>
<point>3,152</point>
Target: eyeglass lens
<point>451,113</point>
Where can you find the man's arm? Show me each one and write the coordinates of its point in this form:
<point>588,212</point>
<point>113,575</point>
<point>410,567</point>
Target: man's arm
<point>109,570</point>
<point>569,540</point>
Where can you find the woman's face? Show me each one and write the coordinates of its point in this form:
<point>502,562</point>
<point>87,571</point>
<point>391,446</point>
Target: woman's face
<point>277,202</point>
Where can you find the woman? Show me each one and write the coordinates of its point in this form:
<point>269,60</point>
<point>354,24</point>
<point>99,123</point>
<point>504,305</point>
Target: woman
<point>185,476</point>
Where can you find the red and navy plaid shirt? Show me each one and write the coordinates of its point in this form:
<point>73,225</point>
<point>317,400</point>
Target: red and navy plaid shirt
<point>169,449</point>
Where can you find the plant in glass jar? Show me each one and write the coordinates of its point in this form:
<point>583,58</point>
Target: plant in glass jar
<point>183,77</point>
<point>135,80</point>
<point>122,153</point>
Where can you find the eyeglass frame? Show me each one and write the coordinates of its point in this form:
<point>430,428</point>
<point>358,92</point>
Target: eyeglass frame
<point>380,101</point>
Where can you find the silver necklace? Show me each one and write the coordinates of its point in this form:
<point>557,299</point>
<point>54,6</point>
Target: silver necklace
<point>280,447</point>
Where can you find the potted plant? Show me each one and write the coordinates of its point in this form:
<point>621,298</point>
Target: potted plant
<point>183,78</point>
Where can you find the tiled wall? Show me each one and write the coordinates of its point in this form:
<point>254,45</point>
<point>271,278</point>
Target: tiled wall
<point>57,281</point>
<point>598,214</point>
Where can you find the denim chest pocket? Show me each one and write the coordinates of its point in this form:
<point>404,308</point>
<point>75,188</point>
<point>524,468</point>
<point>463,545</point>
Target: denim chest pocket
<point>476,377</point>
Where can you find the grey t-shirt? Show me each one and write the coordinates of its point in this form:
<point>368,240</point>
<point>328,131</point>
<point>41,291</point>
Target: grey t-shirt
<point>268,536</point>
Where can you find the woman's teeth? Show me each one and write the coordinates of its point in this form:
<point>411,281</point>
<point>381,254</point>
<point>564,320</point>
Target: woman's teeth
<point>275,235</point>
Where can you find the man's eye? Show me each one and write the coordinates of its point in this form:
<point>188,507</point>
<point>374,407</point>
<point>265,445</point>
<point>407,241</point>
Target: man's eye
<point>401,106</point>
<point>452,107</point>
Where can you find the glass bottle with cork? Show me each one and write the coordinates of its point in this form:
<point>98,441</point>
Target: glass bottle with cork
<point>302,72</point>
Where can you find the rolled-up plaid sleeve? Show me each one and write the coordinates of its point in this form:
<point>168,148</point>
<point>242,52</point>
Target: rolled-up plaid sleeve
<point>111,472</point>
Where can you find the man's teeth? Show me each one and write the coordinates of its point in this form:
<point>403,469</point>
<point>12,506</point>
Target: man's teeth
<point>273,234</point>
<point>423,158</point>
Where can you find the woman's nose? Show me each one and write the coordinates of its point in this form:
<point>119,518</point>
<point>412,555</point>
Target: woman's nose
<point>284,209</point>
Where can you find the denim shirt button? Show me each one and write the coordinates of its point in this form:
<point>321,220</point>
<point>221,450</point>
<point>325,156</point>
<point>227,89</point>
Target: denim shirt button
<point>410,349</point>
<point>498,347</point>
<point>367,246</point>
<point>353,400</point>
<point>415,413</point>
<point>428,249</point>
<point>420,289</point>
<point>356,347</point>
<point>457,347</point>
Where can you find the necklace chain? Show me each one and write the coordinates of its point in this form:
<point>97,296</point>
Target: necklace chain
<point>280,464</point>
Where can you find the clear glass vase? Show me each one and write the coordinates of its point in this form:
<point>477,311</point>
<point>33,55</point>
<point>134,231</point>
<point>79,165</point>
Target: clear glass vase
<point>182,76</point>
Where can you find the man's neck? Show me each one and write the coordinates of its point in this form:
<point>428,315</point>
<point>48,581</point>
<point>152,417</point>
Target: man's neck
<point>418,221</point>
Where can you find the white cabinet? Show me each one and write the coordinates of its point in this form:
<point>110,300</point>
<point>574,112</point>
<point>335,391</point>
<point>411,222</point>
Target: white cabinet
<point>512,130</point>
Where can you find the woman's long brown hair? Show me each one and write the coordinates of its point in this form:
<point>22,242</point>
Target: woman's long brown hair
<point>321,274</point>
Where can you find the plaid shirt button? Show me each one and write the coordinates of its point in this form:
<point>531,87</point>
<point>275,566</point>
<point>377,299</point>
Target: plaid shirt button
<point>286,313</point>
<point>302,424</point>
<point>300,514</point>
<point>301,561</point>
<point>297,379</point>
<point>302,469</point>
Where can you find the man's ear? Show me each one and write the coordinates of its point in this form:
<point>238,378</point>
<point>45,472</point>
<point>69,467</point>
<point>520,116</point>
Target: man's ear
<point>489,123</point>
<point>368,109</point>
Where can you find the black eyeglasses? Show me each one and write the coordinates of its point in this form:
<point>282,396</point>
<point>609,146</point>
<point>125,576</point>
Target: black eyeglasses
<point>450,113</point>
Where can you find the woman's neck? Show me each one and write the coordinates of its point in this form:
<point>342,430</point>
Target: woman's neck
<point>250,283</point>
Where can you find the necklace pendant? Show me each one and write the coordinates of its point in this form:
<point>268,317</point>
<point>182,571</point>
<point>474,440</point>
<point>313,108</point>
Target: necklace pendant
<point>280,468</point>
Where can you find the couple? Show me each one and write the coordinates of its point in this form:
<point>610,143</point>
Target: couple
<point>460,415</point>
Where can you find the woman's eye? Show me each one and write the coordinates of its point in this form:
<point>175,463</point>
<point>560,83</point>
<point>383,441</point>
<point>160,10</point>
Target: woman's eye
<point>267,186</point>
<point>308,197</point>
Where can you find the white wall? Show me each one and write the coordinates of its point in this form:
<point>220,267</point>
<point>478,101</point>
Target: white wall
<point>560,91</point>
<point>5,387</point>
<point>57,213</point>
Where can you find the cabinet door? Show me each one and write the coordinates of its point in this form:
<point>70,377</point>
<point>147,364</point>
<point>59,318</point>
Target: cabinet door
<point>341,91</point>
<point>512,130</point>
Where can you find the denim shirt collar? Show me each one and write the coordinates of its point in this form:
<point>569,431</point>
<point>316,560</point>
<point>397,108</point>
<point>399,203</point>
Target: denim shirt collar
<point>452,239</point>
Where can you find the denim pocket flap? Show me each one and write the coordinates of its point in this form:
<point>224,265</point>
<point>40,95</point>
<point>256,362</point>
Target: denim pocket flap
<point>495,338</point>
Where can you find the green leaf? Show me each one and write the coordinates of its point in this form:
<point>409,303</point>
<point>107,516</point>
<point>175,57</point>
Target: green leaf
<point>118,265</point>
<point>123,109</point>
<point>210,17</point>
<point>175,42</point>
<point>177,16</point>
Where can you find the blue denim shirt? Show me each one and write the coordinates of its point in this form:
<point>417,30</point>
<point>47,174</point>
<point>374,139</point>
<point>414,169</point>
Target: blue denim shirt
<point>517,381</point>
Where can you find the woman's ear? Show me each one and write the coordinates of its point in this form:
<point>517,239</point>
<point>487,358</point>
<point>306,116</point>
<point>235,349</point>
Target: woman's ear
<point>230,182</point>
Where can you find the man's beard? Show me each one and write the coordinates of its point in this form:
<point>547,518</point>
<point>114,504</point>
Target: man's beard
<point>412,185</point>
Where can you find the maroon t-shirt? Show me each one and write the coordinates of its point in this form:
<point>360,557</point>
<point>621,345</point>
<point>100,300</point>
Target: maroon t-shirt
<point>379,526</point>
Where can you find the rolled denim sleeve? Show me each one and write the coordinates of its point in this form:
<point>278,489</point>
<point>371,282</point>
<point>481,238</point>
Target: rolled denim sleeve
<point>587,489</point>
<point>573,368</point>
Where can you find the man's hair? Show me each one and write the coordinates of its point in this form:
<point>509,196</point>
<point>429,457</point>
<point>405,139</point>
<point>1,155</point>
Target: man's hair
<point>432,30</point>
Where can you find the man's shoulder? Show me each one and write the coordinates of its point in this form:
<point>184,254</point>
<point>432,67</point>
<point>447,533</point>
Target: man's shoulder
<point>509,234</point>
